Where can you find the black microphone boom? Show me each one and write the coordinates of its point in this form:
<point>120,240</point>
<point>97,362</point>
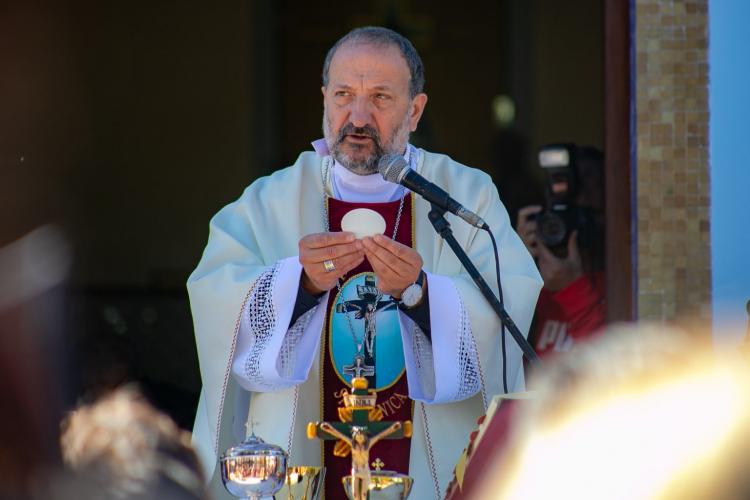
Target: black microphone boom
<point>394,169</point>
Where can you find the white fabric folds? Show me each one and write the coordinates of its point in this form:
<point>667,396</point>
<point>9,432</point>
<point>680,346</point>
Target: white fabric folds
<point>250,258</point>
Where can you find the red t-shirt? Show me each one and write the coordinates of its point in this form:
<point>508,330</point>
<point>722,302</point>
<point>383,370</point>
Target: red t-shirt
<point>569,316</point>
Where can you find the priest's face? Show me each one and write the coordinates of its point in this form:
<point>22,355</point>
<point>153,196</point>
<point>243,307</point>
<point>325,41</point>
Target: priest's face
<point>367,111</point>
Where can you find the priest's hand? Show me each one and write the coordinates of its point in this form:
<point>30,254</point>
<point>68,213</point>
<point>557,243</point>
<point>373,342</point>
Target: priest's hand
<point>326,257</point>
<point>396,266</point>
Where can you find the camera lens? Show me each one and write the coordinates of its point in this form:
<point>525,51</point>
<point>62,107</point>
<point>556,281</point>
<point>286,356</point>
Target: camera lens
<point>552,229</point>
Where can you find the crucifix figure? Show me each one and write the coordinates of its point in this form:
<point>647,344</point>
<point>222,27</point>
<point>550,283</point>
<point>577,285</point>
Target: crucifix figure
<point>366,308</point>
<point>361,444</point>
<point>361,433</point>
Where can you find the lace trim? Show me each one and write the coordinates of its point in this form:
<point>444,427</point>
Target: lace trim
<point>485,403</point>
<point>228,370</point>
<point>288,355</point>
<point>424,361</point>
<point>430,453</point>
<point>290,441</point>
<point>469,375</point>
<point>260,317</point>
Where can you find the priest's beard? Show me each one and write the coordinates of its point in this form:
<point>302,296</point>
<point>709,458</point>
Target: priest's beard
<point>364,164</point>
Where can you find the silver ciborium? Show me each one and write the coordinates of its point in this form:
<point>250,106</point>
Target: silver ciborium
<point>384,485</point>
<point>253,468</point>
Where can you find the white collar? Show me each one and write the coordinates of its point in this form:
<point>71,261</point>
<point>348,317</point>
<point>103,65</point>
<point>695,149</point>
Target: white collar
<point>348,186</point>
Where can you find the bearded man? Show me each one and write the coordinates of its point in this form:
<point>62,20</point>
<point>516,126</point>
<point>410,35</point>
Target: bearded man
<point>278,295</point>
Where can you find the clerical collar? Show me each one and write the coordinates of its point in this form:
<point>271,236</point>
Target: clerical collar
<point>348,186</point>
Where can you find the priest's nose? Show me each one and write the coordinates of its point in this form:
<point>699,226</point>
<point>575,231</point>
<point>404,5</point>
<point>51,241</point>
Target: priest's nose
<point>360,113</point>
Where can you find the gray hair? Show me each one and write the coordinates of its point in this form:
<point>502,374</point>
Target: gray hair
<point>382,37</point>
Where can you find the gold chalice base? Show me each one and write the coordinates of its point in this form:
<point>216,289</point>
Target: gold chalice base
<point>384,484</point>
<point>302,483</point>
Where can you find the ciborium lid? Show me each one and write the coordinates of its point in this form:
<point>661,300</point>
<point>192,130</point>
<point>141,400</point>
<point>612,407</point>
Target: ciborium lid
<point>253,446</point>
<point>253,468</point>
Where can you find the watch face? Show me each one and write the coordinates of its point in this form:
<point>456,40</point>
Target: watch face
<point>411,296</point>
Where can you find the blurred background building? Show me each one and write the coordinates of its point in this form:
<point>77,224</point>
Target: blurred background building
<point>131,124</point>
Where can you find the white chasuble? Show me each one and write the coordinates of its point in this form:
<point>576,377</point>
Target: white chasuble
<point>247,282</point>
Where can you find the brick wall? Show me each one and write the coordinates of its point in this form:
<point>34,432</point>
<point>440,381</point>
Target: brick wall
<point>672,173</point>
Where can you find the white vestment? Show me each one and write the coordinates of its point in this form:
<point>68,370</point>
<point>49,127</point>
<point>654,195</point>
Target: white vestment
<point>250,257</point>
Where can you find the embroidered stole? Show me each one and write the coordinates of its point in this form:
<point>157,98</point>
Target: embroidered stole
<point>367,312</point>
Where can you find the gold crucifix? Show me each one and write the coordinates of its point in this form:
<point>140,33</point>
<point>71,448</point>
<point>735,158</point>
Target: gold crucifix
<point>360,434</point>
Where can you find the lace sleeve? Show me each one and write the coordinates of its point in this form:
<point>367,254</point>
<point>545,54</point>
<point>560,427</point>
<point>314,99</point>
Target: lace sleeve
<point>270,356</point>
<point>452,348</point>
<point>260,319</point>
<point>423,361</point>
<point>468,377</point>
<point>287,360</point>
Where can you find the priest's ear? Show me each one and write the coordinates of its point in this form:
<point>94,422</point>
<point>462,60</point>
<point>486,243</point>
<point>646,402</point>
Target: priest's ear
<point>416,108</point>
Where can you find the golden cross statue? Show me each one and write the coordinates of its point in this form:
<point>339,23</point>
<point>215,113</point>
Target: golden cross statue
<point>360,434</point>
<point>378,464</point>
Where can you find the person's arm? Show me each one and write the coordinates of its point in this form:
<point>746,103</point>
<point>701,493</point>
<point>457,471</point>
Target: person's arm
<point>305,302</point>
<point>447,343</point>
<point>275,349</point>
<point>273,352</point>
<point>415,303</point>
<point>464,351</point>
<point>521,284</point>
<point>420,314</point>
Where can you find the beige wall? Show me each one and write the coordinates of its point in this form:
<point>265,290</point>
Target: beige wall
<point>672,179</point>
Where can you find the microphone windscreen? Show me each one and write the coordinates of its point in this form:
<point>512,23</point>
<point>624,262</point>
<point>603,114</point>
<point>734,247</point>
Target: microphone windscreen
<point>392,166</point>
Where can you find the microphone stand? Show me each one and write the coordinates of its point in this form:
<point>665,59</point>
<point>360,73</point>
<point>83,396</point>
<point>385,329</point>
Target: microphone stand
<point>443,228</point>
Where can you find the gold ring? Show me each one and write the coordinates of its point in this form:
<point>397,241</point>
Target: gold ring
<point>328,264</point>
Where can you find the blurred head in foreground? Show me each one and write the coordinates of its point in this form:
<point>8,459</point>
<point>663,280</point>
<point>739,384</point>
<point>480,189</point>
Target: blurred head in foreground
<point>121,447</point>
<point>644,413</point>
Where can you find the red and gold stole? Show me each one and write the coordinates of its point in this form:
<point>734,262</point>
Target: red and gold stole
<point>350,312</point>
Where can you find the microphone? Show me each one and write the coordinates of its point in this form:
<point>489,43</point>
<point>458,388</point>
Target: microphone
<point>394,169</point>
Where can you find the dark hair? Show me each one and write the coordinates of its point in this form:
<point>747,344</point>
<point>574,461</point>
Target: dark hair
<point>383,37</point>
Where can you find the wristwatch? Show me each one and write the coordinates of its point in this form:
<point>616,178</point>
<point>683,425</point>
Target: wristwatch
<point>412,294</point>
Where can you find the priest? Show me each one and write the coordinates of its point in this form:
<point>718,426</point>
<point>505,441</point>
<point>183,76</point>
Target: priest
<point>288,302</point>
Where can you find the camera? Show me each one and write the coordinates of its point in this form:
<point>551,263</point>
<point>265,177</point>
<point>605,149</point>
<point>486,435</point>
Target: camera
<point>562,215</point>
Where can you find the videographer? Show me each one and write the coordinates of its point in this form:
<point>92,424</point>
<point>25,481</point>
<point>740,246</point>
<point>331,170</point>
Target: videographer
<point>566,239</point>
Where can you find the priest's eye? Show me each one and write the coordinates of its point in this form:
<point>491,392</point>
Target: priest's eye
<point>342,93</point>
<point>382,97</point>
